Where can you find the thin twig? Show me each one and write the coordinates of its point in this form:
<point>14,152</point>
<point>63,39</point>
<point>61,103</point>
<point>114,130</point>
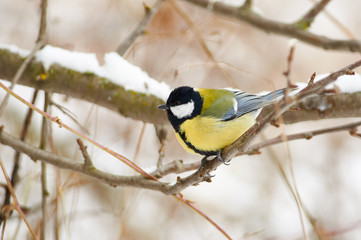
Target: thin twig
<point>88,164</point>
<point>188,203</point>
<point>287,73</point>
<point>141,28</point>
<point>294,193</point>
<point>71,115</point>
<point>42,146</point>
<point>161,133</point>
<point>137,148</point>
<point>43,22</point>
<point>306,21</point>
<point>40,42</point>
<point>304,135</point>
<point>18,75</point>
<point>16,202</point>
<point>14,173</point>
<point>337,23</point>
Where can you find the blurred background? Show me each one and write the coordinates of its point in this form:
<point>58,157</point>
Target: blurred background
<point>249,198</point>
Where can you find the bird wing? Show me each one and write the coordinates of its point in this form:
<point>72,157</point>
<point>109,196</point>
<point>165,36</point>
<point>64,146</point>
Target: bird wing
<point>231,104</point>
<point>247,103</point>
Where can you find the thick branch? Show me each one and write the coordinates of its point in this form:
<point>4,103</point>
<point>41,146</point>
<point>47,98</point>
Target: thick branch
<point>326,106</point>
<point>289,30</point>
<point>85,86</point>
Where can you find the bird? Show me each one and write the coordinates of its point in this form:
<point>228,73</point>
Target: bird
<point>207,120</point>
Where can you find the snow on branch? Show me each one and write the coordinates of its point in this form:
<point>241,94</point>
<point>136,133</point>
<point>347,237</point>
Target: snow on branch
<point>117,85</point>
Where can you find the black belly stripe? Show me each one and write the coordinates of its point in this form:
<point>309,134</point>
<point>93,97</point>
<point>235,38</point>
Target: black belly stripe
<point>206,153</point>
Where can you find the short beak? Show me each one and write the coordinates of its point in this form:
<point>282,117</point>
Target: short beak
<point>164,107</point>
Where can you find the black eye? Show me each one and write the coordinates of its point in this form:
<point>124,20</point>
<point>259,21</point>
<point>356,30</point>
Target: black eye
<point>176,103</point>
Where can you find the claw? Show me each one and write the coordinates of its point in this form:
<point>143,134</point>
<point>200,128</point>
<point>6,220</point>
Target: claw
<point>219,156</point>
<point>209,176</point>
<point>203,162</point>
<point>202,170</point>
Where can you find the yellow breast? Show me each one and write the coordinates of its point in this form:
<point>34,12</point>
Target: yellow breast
<point>208,134</point>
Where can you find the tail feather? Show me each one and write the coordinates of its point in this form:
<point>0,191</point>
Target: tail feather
<point>272,96</point>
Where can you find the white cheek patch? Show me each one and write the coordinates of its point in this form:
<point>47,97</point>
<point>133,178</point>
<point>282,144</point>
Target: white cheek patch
<point>184,110</point>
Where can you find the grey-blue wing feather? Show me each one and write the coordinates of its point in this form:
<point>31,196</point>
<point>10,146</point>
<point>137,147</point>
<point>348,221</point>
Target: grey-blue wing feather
<point>247,103</point>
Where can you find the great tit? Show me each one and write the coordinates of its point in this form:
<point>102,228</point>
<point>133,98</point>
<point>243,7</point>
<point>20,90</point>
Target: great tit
<point>207,120</point>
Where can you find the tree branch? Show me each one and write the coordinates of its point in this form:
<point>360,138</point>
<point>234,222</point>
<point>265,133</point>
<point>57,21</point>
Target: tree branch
<point>290,30</point>
<point>85,86</point>
<point>304,135</point>
<point>141,28</point>
<point>306,21</point>
<point>69,164</point>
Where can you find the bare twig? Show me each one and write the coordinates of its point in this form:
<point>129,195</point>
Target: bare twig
<point>294,193</point>
<point>43,22</point>
<point>137,148</point>
<point>65,163</point>
<point>162,136</point>
<point>304,135</point>
<point>16,202</point>
<point>14,174</point>
<point>188,203</point>
<point>71,115</point>
<point>287,73</point>
<point>88,164</point>
<point>289,30</point>
<point>306,21</point>
<point>43,141</point>
<point>337,23</point>
<point>40,42</point>
<point>353,132</point>
<point>18,75</point>
<point>141,28</point>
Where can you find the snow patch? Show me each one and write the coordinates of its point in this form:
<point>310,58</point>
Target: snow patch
<point>15,49</point>
<point>115,68</point>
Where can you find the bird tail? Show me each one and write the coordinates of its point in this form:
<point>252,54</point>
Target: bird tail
<point>272,96</point>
